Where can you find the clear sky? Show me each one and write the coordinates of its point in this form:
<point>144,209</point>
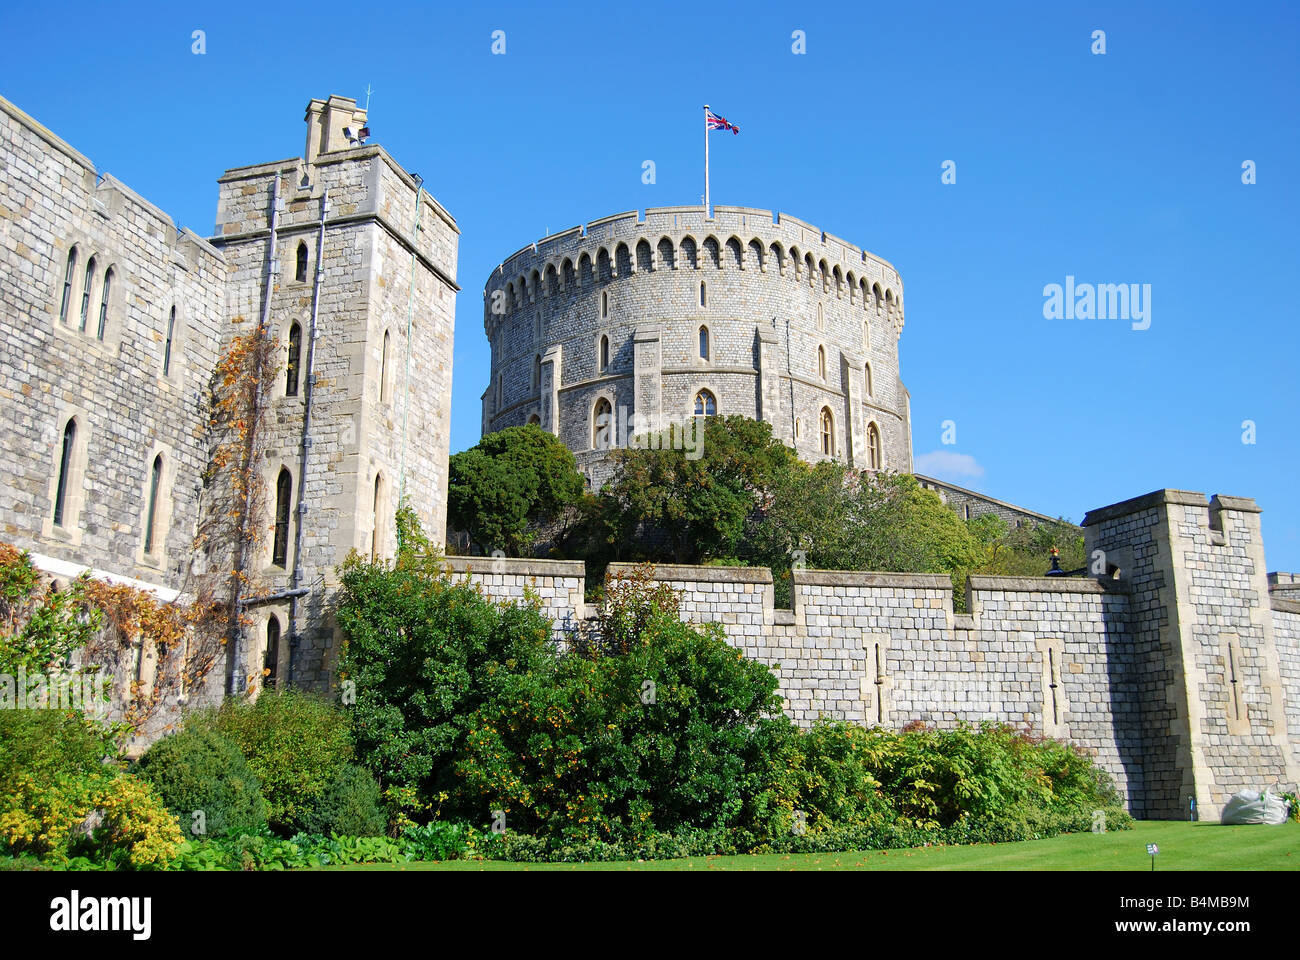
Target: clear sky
<point>1122,167</point>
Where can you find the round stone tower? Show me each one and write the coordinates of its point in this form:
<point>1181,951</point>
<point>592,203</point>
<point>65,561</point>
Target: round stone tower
<point>603,332</point>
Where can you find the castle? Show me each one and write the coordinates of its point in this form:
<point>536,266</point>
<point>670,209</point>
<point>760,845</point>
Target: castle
<point>653,321</point>
<point>114,321</point>
<point>1177,662</point>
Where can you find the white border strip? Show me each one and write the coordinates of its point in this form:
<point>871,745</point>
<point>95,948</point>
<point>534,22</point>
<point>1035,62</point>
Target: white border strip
<point>66,568</point>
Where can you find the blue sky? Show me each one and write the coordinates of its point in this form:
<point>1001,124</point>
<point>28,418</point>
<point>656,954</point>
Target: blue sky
<point>1117,168</point>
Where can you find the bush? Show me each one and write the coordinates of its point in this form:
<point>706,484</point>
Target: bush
<point>438,840</point>
<point>48,744</point>
<point>136,830</point>
<point>295,743</point>
<point>62,794</point>
<point>351,806</point>
<point>425,654</point>
<point>197,769</point>
<point>654,731</point>
<point>934,778</point>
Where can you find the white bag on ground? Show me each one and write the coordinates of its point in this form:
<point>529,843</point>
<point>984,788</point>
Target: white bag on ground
<point>1251,806</point>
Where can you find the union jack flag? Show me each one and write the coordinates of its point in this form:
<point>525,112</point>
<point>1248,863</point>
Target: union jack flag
<point>716,122</point>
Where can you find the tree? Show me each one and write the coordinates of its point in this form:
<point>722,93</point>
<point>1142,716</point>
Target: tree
<point>832,517</point>
<point>697,506</point>
<point>508,486</point>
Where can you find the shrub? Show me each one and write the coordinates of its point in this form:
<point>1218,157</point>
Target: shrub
<point>295,743</point>
<point>136,831</point>
<point>47,744</point>
<point>351,806</point>
<point>199,770</point>
<point>651,732</point>
<point>936,777</point>
<point>437,840</point>
<point>62,794</point>
<point>425,654</point>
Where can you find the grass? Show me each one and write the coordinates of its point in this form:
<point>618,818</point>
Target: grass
<point>1183,846</point>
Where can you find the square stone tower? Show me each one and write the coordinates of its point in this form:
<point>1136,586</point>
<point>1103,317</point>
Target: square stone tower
<point>1211,675</point>
<point>350,265</point>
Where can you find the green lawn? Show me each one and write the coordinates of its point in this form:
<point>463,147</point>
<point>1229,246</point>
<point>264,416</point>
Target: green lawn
<point>1183,846</point>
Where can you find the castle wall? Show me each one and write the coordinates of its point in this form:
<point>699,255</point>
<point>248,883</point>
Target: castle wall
<point>1284,585</point>
<point>1286,633</point>
<point>629,279</point>
<point>128,409</point>
<point>556,584</point>
<point>886,649</point>
<point>1132,667</point>
<point>969,504</point>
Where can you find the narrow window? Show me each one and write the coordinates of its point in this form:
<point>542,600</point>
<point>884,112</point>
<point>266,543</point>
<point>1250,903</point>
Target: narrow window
<point>1234,695</point>
<point>375,535</point>
<point>167,348</point>
<point>271,659</point>
<point>705,404</point>
<point>66,303</point>
<point>537,372</point>
<point>151,516</point>
<point>604,353</point>
<point>1053,683</point>
<point>103,304</point>
<point>828,433</point>
<point>300,274</point>
<point>880,687</point>
<point>85,293</point>
<point>704,343</point>
<point>867,372</point>
<point>65,471</point>
<point>704,296</point>
<point>383,371</point>
<point>295,354</point>
<point>600,425</point>
<point>821,318</point>
<point>821,362</point>
<point>798,428</point>
<point>604,305</point>
<point>283,492</point>
<point>874,458</point>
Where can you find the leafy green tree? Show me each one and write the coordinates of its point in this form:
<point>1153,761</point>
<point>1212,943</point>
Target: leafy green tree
<point>424,653</point>
<point>833,517</point>
<point>512,482</point>
<point>698,506</point>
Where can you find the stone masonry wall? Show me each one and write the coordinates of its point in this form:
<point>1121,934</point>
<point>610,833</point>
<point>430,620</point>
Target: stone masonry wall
<point>1286,632</point>
<point>968,503</point>
<point>380,401</point>
<point>132,397</point>
<point>872,648</point>
<point>381,285</point>
<point>1127,666</point>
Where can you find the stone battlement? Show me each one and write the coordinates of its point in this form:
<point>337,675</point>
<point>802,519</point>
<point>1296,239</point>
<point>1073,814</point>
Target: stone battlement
<point>659,221</point>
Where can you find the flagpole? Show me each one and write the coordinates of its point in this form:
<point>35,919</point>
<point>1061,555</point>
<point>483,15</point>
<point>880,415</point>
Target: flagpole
<point>707,214</point>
